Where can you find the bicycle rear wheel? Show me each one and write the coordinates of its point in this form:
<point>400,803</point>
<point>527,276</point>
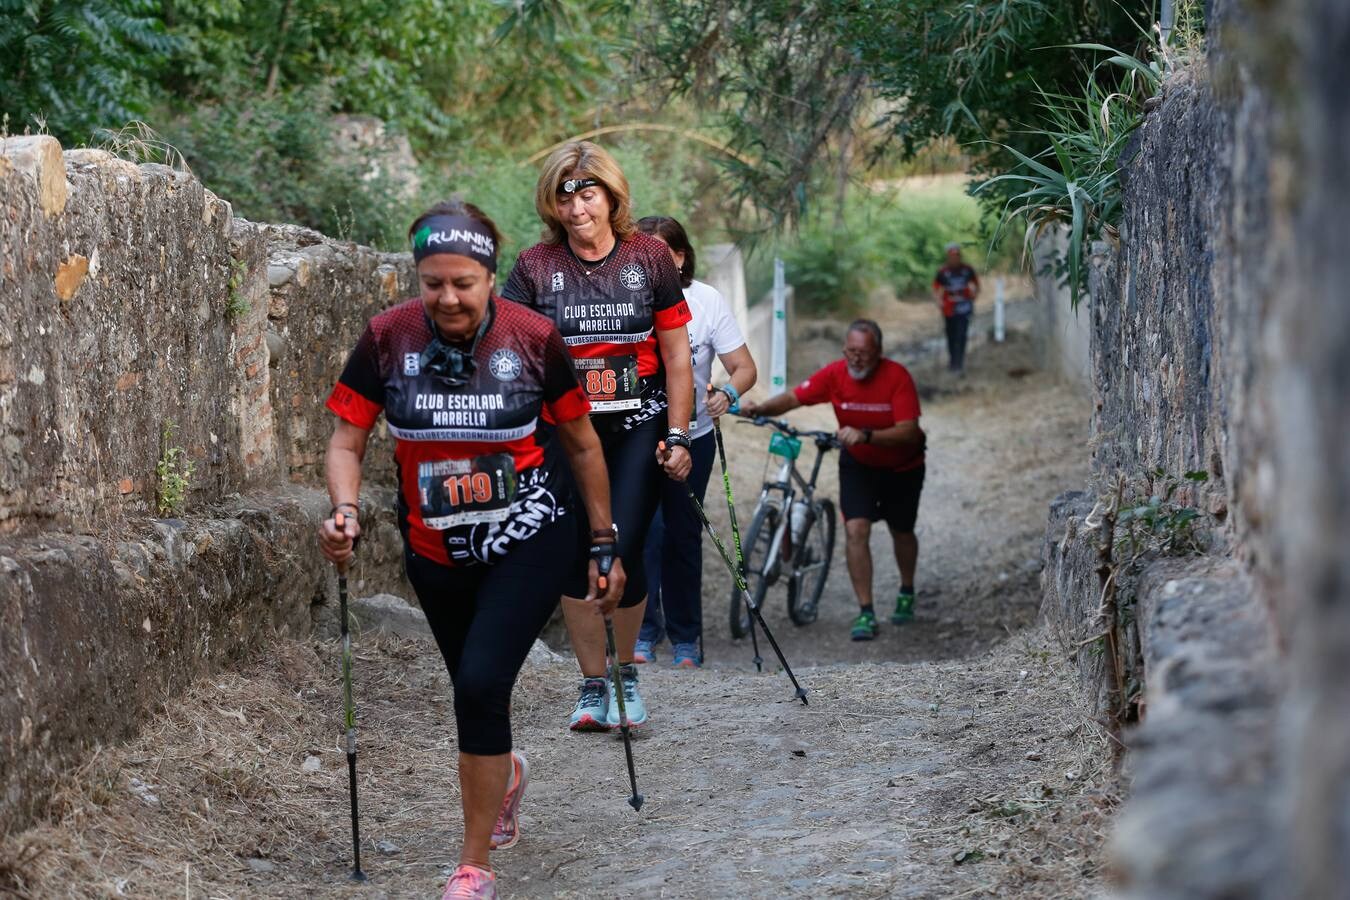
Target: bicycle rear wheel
<point>812,566</point>
<point>758,538</point>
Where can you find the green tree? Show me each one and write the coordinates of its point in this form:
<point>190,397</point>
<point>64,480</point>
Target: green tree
<point>77,66</point>
<point>795,80</point>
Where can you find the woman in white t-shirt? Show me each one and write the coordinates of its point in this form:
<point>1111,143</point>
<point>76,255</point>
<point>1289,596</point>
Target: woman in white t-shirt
<point>674,551</point>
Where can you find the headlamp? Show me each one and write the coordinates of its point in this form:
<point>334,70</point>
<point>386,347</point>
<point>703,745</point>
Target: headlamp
<point>572,185</point>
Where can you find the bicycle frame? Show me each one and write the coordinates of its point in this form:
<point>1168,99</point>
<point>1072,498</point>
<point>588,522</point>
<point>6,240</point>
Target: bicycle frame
<point>787,477</point>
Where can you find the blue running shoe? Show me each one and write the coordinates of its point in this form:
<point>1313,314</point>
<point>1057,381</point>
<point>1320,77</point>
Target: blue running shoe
<point>643,652</point>
<point>632,700</point>
<point>592,707</point>
<point>687,656</point>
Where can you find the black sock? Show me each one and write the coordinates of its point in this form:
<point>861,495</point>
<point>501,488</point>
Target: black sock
<point>907,589</point>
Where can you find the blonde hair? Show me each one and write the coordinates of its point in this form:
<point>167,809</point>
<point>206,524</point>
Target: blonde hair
<point>589,161</point>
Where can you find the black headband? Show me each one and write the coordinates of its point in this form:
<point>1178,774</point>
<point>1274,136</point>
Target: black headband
<point>460,235</point>
<point>572,185</point>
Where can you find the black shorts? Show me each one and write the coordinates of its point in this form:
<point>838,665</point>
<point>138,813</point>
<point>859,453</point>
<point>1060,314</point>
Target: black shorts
<point>634,493</point>
<point>875,494</point>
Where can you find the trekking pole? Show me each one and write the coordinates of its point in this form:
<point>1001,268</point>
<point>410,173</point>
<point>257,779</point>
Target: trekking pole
<point>735,529</point>
<point>740,585</point>
<point>634,801</point>
<point>349,710</point>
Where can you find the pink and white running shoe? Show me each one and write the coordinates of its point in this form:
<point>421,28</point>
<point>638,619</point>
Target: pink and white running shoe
<point>507,830</point>
<point>471,883</point>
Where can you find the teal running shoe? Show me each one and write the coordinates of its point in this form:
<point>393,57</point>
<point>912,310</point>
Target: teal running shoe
<point>904,608</point>
<point>592,707</point>
<point>865,626</point>
<point>643,652</point>
<point>686,656</point>
<point>632,700</point>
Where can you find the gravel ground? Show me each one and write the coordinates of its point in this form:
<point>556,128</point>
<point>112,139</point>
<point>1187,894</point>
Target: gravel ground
<point>948,758</point>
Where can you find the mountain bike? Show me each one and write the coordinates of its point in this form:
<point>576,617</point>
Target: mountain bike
<point>790,536</point>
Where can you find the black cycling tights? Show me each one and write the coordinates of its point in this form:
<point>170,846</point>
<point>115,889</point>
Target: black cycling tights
<point>486,618</point>
<point>634,493</point>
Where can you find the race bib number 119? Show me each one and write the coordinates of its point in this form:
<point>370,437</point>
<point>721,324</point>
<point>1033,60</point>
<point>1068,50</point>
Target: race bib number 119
<point>466,491</point>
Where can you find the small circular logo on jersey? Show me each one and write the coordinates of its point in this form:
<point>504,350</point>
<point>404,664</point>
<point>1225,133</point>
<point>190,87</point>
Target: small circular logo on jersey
<point>504,364</point>
<point>633,277</point>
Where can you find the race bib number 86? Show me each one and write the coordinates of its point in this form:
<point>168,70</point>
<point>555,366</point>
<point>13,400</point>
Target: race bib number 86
<point>610,382</point>
<point>466,491</point>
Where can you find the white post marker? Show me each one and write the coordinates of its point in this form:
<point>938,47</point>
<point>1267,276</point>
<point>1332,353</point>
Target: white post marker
<point>998,310</point>
<point>778,354</point>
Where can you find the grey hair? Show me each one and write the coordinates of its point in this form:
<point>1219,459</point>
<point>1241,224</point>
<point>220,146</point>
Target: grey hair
<point>868,326</point>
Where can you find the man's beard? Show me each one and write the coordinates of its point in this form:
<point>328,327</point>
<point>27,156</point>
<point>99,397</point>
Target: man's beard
<point>859,374</point>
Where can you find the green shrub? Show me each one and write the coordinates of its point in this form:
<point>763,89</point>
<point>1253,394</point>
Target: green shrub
<point>891,236</point>
<point>275,160</point>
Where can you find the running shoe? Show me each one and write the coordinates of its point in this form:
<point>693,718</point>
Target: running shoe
<point>592,706</point>
<point>687,656</point>
<point>643,652</point>
<point>632,700</point>
<point>507,830</point>
<point>865,626</point>
<point>471,883</point>
<point>904,608</point>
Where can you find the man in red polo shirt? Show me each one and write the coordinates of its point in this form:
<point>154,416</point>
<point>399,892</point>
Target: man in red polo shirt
<point>882,465</point>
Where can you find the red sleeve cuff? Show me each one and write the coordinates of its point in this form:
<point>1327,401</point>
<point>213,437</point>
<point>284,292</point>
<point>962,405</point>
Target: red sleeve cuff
<point>673,316</point>
<point>351,407</point>
<point>571,405</point>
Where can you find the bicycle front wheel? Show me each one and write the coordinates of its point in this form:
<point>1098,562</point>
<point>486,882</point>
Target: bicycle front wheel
<point>812,566</point>
<point>758,540</point>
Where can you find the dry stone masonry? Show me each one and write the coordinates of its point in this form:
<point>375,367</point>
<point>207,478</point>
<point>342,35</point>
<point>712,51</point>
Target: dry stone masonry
<point>1219,338</point>
<point>142,318</point>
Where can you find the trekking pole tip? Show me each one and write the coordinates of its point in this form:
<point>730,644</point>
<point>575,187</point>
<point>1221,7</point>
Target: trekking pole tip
<point>357,876</point>
<point>636,802</point>
<point>801,695</point>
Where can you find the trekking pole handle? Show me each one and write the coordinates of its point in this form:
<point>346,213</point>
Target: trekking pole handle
<point>340,523</point>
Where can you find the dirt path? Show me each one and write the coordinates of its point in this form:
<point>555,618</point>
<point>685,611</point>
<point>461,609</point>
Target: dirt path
<point>943,760</point>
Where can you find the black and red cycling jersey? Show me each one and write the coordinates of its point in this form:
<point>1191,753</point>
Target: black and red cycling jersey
<point>608,312</point>
<point>476,475</point>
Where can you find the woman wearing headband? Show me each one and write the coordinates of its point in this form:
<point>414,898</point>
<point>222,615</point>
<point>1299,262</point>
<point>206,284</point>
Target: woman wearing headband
<point>614,294</point>
<point>489,520</point>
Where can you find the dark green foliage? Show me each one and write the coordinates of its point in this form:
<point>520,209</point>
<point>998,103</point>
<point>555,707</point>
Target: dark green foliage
<point>72,67</point>
<point>274,160</point>
<point>796,81</point>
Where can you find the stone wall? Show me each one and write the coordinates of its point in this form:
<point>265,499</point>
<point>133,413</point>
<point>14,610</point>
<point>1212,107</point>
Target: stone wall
<point>1219,343</point>
<point>135,302</point>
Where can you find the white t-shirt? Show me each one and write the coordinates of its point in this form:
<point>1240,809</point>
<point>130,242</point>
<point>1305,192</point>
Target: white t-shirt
<point>712,332</point>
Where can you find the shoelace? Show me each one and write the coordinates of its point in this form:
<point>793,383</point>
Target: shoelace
<point>630,683</point>
<point>592,694</point>
<point>467,882</point>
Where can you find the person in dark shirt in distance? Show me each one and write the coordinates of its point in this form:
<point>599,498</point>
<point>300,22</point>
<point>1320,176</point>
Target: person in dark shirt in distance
<point>955,288</point>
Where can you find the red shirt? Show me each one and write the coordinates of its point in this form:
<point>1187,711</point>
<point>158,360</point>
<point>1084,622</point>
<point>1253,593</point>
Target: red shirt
<point>882,399</point>
<point>955,283</point>
<point>476,473</point>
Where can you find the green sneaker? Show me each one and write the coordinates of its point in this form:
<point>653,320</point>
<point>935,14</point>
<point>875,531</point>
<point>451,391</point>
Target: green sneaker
<point>865,626</point>
<point>904,609</point>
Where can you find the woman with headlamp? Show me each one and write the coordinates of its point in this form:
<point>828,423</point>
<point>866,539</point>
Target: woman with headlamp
<point>615,295</point>
<point>490,523</point>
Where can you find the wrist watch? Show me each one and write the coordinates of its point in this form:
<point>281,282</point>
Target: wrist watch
<point>867,435</point>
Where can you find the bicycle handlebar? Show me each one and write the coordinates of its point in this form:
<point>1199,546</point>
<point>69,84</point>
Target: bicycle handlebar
<point>822,438</point>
